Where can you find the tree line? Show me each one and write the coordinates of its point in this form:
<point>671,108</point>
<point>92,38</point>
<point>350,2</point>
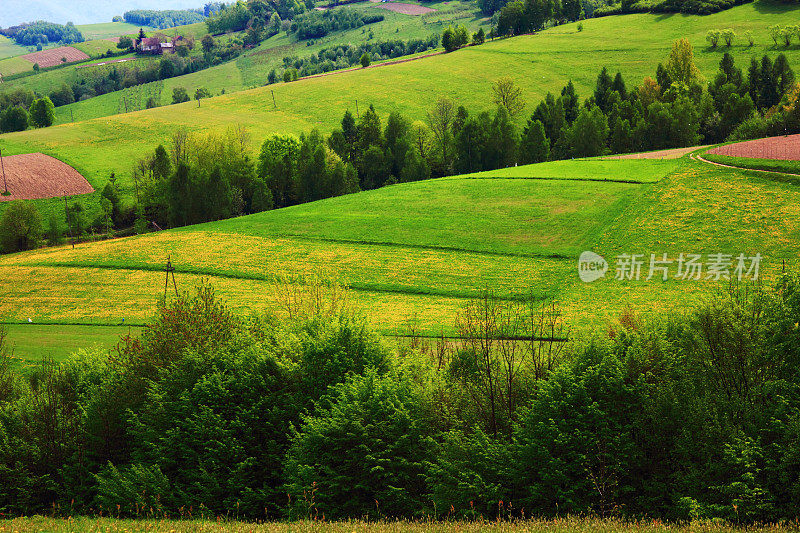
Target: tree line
<point>42,33</point>
<point>165,18</point>
<point>314,24</point>
<point>524,16</point>
<point>187,184</point>
<point>206,414</point>
<point>254,15</point>
<point>348,55</point>
<point>23,110</point>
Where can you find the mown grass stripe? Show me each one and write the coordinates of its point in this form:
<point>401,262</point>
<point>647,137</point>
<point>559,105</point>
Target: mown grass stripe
<point>299,280</point>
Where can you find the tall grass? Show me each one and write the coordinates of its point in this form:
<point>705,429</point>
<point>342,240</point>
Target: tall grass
<point>559,525</point>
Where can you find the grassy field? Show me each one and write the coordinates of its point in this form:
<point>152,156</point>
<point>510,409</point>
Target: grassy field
<point>107,30</point>
<point>251,69</point>
<point>8,48</point>
<point>31,343</point>
<point>561,52</point>
<point>561,525</point>
<point>642,171</point>
<point>538,63</point>
<point>419,252</point>
<point>773,165</point>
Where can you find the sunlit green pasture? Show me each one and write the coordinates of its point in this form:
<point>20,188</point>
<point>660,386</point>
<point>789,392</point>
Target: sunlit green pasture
<point>251,69</point>
<point>8,48</point>
<point>107,30</point>
<point>621,170</point>
<point>418,252</point>
<point>30,344</point>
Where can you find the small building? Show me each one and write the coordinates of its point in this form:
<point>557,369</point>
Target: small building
<point>151,45</point>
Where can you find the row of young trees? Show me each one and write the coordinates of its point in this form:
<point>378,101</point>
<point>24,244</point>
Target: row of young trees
<point>345,56</point>
<point>365,153</point>
<point>314,24</point>
<point>209,414</point>
<point>22,227</point>
<point>520,16</point>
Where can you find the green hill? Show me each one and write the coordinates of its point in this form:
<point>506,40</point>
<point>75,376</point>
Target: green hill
<point>538,63</point>
<point>420,251</point>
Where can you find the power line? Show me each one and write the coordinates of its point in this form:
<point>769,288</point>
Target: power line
<point>3,165</point>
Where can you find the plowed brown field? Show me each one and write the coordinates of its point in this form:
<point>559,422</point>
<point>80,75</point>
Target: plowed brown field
<point>33,176</point>
<point>786,147</point>
<point>52,57</point>
<point>405,9</point>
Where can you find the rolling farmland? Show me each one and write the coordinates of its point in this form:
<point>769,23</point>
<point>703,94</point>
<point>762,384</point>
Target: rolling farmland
<point>419,251</point>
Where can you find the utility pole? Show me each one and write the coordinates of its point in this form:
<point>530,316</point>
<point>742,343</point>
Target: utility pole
<point>357,109</point>
<point>3,165</point>
<point>170,270</point>
<point>273,99</point>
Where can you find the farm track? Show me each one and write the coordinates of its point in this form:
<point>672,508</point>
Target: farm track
<point>698,157</point>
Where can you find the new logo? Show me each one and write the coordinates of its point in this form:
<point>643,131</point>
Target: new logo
<point>591,267</point>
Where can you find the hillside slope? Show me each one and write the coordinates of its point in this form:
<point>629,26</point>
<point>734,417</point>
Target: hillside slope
<point>419,251</point>
<point>80,11</point>
<point>538,63</point>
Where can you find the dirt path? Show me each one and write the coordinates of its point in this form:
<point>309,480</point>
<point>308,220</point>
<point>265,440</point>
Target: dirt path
<point>106,63</point>
<point>673,153</point>
<point>697,157</point>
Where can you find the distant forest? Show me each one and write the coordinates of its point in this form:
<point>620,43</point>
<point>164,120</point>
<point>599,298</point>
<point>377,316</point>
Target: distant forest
<point>164,19</point>
<point>15,12</point>
<point>41,32</point>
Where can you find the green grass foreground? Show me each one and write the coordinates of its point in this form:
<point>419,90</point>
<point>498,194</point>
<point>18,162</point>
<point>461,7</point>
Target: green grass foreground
<point>561,525</point>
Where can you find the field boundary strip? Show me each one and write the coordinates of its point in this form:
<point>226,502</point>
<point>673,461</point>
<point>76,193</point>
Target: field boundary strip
<point>518,338</point>
<point>699,157</point>
<point>545,178</point>
<point>377,65</point>
<point>388,244</point>
<point>78,324</point>
<point>357,287</point>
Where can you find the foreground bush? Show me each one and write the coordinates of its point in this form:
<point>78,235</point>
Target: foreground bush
<point>210,414</point>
